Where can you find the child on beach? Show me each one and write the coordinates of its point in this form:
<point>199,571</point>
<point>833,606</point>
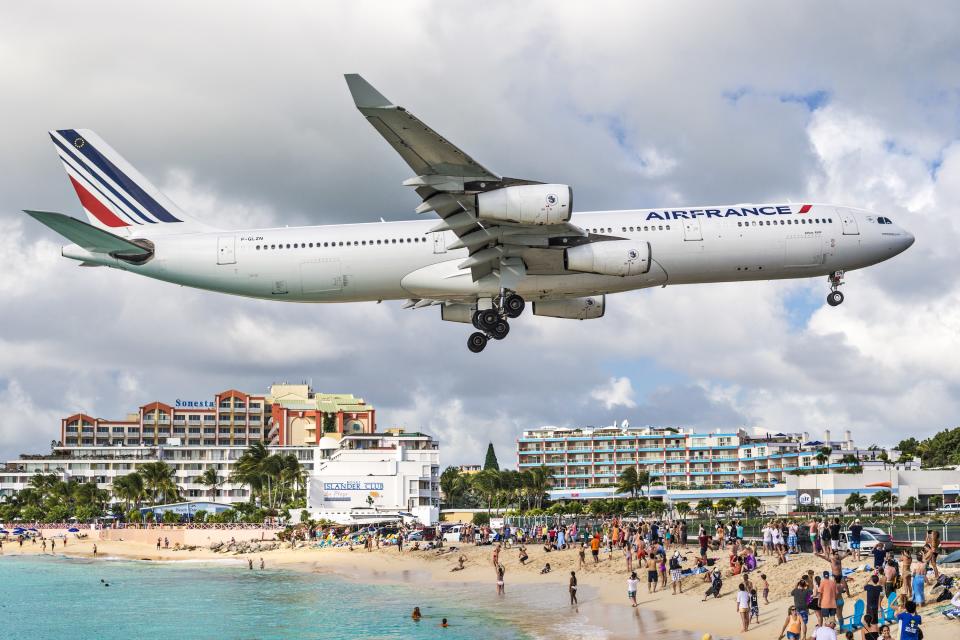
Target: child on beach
<point>754,606</point>
<point>766,587</point>
<point>632,584</point>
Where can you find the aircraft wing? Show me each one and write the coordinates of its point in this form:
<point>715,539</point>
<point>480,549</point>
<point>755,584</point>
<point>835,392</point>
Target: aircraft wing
<point>448,181</point>
<point>88,236</point>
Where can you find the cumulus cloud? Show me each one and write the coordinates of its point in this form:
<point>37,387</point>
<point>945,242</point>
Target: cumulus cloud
<point>755,102</point>
<point>618,392</point>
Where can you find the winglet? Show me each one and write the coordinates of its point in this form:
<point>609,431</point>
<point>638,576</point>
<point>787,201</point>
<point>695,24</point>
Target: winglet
<point>364,95</point>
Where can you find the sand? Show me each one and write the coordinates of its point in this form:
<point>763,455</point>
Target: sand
<point>603,585</point>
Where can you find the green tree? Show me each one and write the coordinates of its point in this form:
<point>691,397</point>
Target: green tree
<point>130,489</point>
<point>934,502</point>
<point>726,504</point>
<point>855,502</point>
<point>159,482</point>
<point>683,508</point>
<point>632,481</point>
<point>454,486</point>
<point>490,462</point>
<point>704,507</point>
<point>823,455</point>
<point>329,423</point>
<point>487,484</point>
<point>211,479</point>
<point>912,504</point>
<point>881,498</point>
<point>750,504</point>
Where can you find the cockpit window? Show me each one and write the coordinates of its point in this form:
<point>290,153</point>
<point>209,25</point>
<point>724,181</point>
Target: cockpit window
<point>883,220</point>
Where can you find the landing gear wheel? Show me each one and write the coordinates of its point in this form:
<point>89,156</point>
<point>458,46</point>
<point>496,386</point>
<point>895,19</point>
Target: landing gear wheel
<point>475,320</point>
<point>476,342</point>
<point>500,330</point>
<point>513,306</point>
<point>487,318</point>
<point>834,298</point>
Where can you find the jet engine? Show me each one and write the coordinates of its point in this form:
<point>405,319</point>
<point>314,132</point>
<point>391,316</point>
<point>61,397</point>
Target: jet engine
<point>527,204</point>
<point>611,258</point>
<point>573,309</point>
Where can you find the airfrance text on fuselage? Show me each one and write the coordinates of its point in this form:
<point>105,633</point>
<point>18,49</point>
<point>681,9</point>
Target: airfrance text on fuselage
<point>677,214</point>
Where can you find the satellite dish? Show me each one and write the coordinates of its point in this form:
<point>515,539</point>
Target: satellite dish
<point>625,424</point>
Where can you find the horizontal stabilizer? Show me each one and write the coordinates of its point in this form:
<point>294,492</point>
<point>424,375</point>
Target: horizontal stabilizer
<point>88,236</point>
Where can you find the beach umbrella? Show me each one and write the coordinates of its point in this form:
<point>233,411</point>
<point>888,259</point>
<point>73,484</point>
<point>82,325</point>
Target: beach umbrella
<point>4,531</point>
<point>73,530</point>
<point>32,529</point>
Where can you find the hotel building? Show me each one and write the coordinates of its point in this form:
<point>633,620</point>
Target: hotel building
<point>687,465</point>
<point>333,436</point>
<point>287,415</point>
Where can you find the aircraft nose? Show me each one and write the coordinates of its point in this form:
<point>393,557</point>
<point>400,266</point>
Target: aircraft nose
<point>908,240</point>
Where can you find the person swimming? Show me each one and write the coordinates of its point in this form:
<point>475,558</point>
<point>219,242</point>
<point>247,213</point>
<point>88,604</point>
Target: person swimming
<point>416,613</point>
<point>443,623</point>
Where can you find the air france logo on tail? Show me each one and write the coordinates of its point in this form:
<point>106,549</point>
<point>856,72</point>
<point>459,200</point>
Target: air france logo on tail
<point>687,214</point>
<point>111,195</point>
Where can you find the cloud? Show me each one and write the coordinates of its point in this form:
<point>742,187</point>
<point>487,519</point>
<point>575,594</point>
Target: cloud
<point>755,102</point>
<point>618,392</point>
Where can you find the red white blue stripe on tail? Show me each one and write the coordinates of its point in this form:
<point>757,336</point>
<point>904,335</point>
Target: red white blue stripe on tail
<point>112,192</point>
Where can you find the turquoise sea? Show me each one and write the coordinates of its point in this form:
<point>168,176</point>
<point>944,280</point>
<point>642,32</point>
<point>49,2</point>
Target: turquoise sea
<point>56,597</point>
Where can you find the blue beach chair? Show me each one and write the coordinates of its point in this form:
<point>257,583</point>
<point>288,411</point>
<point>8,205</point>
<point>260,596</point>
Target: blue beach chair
<point>855,621</point>
<point>888,615</point>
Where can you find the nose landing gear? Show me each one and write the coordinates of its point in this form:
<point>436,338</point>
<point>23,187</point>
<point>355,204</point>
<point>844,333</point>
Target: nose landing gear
<point>492,323</point>
<point>835,279</point>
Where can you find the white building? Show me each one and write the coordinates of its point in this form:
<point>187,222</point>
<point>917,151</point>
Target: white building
<point>390,472</point>
<point>376,475</point>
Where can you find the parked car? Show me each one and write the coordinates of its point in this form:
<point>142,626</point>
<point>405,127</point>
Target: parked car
<point>453,533</point>
<point>869,538</point>
<point>950,508</point>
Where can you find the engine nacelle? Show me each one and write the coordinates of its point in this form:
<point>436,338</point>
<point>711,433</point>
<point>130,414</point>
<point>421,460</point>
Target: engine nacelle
<point>527,204</point>
<point>573,309</point>
<point>611,258</point>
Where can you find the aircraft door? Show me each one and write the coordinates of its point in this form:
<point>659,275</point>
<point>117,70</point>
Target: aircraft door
<point>849,223</point>
<point>440,242</point>
<point>321,276</point>
<point>691,230</point>
<point>226,249</point>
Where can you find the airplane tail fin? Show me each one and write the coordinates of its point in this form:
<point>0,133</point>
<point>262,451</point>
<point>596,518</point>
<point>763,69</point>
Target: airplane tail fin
<point>114,195</point>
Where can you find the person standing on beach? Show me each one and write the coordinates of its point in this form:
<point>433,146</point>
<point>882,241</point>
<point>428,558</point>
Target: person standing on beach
<point>496,555</point>
<point>856,529</point>
<point>675,573</point>
<point>250,564</point>
<point>573,588</point>
<point>583,555</point>
<point>400,542</point>
<point>801,603</point>
<point>261,563</point>
<point>94,550</point>
<point>632,583</point>
<point>743,607</point>
<point>652,576</point>
<point>53,543</point>
<point>595,548</point>
<point>158,544</point>
<point>500,572</point>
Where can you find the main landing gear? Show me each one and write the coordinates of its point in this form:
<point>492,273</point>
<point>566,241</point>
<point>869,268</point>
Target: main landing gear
<point>492,323</point>
<point>835,279</point>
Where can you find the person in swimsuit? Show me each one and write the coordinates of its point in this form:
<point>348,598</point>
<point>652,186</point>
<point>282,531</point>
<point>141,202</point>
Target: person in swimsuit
<point>919,580</point>
<point>500,572</point>
<point>870,630</point>
<point>573,588</point>
<point>651,574</point>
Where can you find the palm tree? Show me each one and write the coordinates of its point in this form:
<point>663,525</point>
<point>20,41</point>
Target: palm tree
<point>912,504</point>
<point>212,479</point>
<point>881,498</point>
<point>159,481</point>
<point>683,508</point>
<point>704,507</point>
<point>541,479</point>
<point>933,502</point>
<point>630,481</point>
<point>750,504</point>
<point>855,502</point>
<point>486,483</point>
<point>129,488</point>
<point>454,485</point>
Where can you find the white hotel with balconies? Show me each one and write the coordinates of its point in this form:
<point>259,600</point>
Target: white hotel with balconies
<point>688,465</point>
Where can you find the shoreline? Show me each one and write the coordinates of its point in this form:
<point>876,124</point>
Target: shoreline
<point>604,604</point>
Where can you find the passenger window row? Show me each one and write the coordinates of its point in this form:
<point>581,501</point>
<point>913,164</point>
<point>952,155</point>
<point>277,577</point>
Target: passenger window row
<point>348,243</point>
<point>754,223</point>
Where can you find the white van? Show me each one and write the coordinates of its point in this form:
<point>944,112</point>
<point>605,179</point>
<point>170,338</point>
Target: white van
<point>869,538</point>
<point>950,508</point>
<point>453,533</point>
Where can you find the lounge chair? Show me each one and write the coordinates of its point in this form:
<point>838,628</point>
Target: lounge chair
<point>855,621</point>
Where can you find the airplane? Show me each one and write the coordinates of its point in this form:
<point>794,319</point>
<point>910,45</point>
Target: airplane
<point>500,242</point>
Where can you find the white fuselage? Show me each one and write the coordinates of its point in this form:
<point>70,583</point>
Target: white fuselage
<point>399,260</point>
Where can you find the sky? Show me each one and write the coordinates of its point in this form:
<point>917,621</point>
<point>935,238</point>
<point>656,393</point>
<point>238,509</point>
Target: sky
<point>239,113</point>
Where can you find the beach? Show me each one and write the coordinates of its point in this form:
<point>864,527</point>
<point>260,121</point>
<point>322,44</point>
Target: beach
<point>602,586</point>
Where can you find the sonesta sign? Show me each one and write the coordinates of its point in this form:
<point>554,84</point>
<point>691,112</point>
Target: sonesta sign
<point>687,214</point>
<point>193,404</point>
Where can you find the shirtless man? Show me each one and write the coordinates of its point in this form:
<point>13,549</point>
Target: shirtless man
<point>906,589</point>
<point>652,573</point>
<point>932,550</point>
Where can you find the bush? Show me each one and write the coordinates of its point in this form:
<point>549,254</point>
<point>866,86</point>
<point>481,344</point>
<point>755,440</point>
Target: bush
<point>200,516</point>
<point>169,517</point>
<point>481,518</point>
